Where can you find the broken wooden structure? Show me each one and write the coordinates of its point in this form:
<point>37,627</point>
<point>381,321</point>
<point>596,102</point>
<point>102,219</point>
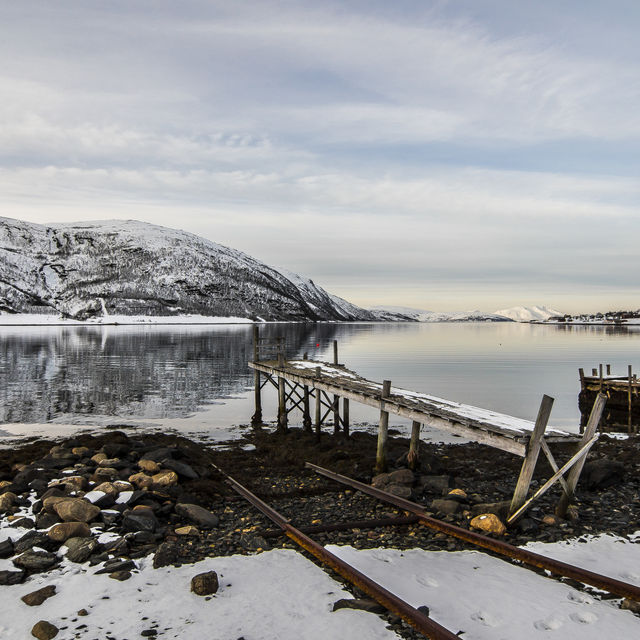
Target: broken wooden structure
<point>301,382</point>
<point>623,397</point>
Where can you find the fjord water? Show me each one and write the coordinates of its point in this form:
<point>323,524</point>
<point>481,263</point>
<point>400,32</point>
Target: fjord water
<point>183,376</point>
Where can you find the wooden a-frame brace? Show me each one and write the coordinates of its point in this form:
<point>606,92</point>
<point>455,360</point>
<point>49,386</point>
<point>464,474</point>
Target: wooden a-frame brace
<point>519,502</point>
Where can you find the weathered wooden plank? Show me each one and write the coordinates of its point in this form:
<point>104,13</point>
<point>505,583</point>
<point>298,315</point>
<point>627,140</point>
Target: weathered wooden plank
<point>383,429</point>
<point>414,445</point>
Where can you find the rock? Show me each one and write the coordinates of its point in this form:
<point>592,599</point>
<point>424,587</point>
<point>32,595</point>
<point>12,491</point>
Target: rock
<point>424,609</point>
<point>361,604</point>
<point>150,466</point>
<point>44,630</point>
<point>631,605</point>
<point>82,612</point>
<point>49,502</point>
<point>602,473</point>
<point>527,526</point>
<point>446,506</point>
<point>166,554</point>
<point>120,575</point>
<point>44,520</point>
<point>181,468</point>
<point>107,474</point>
<point>189,530</point>
<point>457,494</point>
<point>436,484</point>
<point>23,523</point>
<point>116,449</point>
<point>165,478</point>
<point>7,501</point>
<point>79,549</point>
<point>110,488</point>
<point>65,530</point>
<point>402,476</point>
<point>81,452</point>
<point>34,539</point>
<point>141,480</point>
<point>572,513</point>
<point>200,516</point>
<point>35,561</point>
<point>113,566</point>
<point>490,523</point>
<point>402,491</point>
<point>4,484</point>
<point>551,520</point>
<point>121,485</point>
<point>139,522</point>
<point>99,457</point>
<point>500,509</point>
<point>205,584</point>
<point>36,598</point>
<point>12,577</point>
<point>74,483</point>
<point>380,481</point>
<point>109,462</point>
<point>77,510</point>
<point>6,548</point>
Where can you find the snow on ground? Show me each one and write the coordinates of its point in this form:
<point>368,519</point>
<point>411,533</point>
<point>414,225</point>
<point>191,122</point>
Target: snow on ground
<point>527,314</point>
<point>30,319</point>
<point>281,595</point>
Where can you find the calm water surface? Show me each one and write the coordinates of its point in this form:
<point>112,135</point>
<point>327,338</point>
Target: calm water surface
<point>185,376</point>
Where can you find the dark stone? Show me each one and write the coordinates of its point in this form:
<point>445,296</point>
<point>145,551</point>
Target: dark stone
<point>138,522</point>
<point>424,609</point>
<point>361,604</point>
<point>36,598</point>
<point>253,543</point>
<point>446,506</point>
<point>436,484</point>
<point>198,515</point>
<point>167,554</point>
<point>110,519</point>
<point>44,630</point>
<point>157,455</point>
<point>140,537</point>
<point>116,565</point>
<point>6,548</point>
<point>105,502</point>
<point>527,525</point>
<point>115,450</point>
<point>35,561</point>
<point>181,468</point>
<point>120,575</point>
<point>602,473</point>
<point>149,633</point>
<point>500,509</point>
<point>400,490</point>
<point>23,523</point>
<point>80,549</point>
<point>205,584</point>
<point>35,539</point>
<point>44,520</point>
<point>12,577</point>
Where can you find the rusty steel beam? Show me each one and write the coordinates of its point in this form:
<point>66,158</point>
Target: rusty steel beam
<point>352,524</point>
<point>411,615</point>
<point>612,585</point>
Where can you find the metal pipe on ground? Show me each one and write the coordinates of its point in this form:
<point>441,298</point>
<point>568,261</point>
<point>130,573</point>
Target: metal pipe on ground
<point>617,587</point>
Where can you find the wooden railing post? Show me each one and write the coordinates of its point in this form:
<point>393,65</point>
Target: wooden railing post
<point>383,430</point>
<point>345,415</point>
<point>318,415</point>
<point>256,418</point>
<point>412,458</point>
<point>531,457</point>
<point>576,470</point>
<point>282,406</point>
<point>306,415</point>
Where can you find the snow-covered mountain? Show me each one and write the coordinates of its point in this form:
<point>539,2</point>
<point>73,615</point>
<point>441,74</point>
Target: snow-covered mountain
<point>528,314</point>
<point>85,270</point>
<point>395,313</point>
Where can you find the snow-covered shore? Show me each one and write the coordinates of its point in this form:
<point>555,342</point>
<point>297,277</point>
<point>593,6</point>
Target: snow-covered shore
<point>34,319</point>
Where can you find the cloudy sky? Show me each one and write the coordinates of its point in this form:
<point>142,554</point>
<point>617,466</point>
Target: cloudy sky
<point>445,155</point>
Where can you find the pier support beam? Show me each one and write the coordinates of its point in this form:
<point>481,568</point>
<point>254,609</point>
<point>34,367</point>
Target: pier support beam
<point>412,458</point>
<point>318,416</point>
<point>336,415</point>
<point>383,430</point>
<point>533,450</point>
<point>345,416</point>
<point>256,418</point>
<point>282,406</point>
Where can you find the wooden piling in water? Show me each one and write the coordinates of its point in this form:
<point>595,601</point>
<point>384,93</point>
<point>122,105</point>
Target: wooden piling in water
<point>318,416</point>
<point>383,429</point>
<point>345,416</point>
<point>256,418</point>
<point>282,405</point>
<point>335,352</point>
<point>414,445</point>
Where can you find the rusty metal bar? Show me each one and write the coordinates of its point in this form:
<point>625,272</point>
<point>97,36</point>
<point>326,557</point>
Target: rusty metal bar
<point>345,526</point>
<point>411,615</point>
<point>617,587</point>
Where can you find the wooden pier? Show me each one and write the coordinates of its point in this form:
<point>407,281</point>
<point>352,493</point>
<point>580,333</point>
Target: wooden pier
<point>623,397</point>
<point>303,382</point>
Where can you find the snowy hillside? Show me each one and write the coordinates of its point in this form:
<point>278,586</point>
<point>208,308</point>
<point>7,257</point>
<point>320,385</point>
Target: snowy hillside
<point>88,270</point>
<point>528,314</point>
<point>421,315</point>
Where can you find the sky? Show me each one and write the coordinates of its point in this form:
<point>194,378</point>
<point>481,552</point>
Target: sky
<point>444,155</point>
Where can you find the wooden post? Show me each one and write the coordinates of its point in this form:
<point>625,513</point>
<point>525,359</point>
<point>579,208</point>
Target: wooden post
<point>608,369</point>
<point>383,430</point>
<point>306,415</point>
<point>282,406</point>
<point>256,418</point>
<point>581,373</point>
<point>594,372</point>
<point>600,374</point>
<point>576,470</point>
<point>629,397</point>
<point>305,356</point>
<point>318,415</point>
<point>533,449</point>
<point>336,415</point>
<point>345,416</point>
<point>412,458</point>
<point>335,352</point>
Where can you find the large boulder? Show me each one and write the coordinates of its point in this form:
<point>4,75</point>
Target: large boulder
<point>199,515</point>
<point>602,473</point>
<point>205,584</point>
<point>76,510</point>
<point>65,530</point>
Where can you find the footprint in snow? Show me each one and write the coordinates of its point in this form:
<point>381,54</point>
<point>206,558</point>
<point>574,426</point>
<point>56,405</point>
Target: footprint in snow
<point>426,581</point>
<point>549,624</point>
<point>579,598</point>
<point>485,618</point>
<point>584,617</point>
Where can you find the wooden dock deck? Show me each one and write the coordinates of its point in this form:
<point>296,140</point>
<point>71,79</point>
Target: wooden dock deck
<point>300,381</point>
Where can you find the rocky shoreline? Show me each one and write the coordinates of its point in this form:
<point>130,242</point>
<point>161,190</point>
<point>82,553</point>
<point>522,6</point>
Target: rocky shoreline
<point>106,501</point>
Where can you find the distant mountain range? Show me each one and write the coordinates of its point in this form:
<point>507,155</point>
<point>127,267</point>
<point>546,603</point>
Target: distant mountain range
<point>123,268</point>
<point>128,268</point>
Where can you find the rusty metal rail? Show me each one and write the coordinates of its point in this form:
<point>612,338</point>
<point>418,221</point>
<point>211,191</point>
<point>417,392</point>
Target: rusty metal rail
<point>411,615</point>
<point>617,587</point>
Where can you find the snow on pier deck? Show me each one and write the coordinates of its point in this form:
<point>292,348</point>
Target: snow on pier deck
<point>481,425</point>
